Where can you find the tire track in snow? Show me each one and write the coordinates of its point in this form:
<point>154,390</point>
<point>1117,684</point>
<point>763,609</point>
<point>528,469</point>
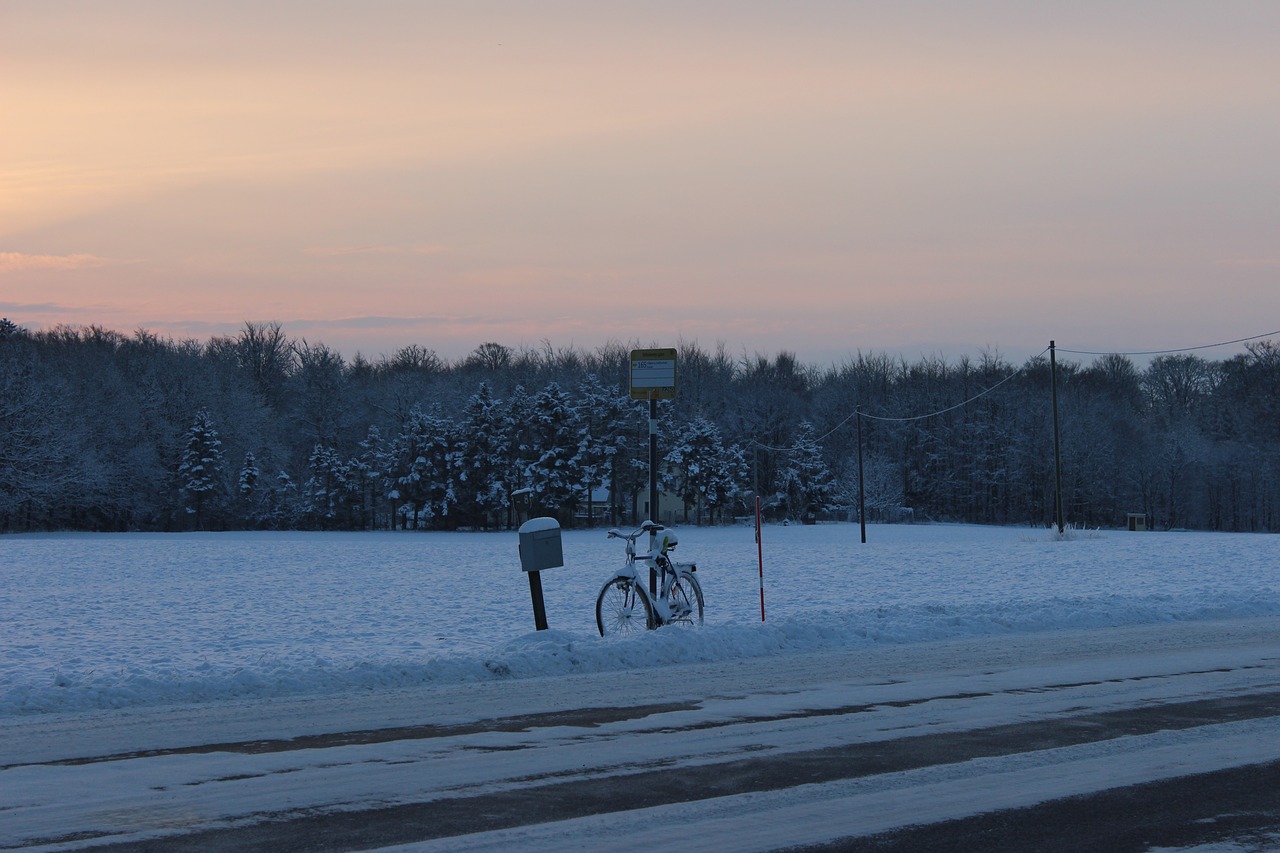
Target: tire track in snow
<point>450,819</point>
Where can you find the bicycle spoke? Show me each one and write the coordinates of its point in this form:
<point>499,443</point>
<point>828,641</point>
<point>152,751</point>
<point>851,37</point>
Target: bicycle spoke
<point>622,609</point>
<point>685,601</point>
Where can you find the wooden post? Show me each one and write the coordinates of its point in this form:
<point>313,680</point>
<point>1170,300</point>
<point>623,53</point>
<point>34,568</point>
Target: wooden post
<point>862,494</point>
<point>1057,439</point>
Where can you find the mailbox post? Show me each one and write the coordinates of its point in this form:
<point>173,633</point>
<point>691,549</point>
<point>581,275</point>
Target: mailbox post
<point>540,549</point>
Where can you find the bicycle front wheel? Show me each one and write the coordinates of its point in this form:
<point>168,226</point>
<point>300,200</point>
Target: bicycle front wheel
<point>621,608</point>
<point>685,601</point>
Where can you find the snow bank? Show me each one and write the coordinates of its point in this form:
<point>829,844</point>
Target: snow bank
<point>113,621</point>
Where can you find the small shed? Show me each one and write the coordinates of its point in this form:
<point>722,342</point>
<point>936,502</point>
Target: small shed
<point>1137,521</point>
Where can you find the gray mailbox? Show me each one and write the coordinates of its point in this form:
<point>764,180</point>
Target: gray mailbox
<point>540,545</point>
<point>539,549</point>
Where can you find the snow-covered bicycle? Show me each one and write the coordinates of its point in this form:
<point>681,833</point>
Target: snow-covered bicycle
<point>625,604</point>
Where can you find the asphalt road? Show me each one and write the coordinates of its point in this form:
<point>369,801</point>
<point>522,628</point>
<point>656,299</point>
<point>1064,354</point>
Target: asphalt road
<point>1137,741</point>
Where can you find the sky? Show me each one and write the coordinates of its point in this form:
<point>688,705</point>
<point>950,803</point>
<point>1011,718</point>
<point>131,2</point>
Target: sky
<point>818,177</point>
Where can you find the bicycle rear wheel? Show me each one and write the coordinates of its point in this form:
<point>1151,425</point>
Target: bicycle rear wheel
<point>621,608</point>
<point>685,601</point>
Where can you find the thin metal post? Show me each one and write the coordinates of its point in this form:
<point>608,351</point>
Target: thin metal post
<point>653,459</point>
<point>760,556</point>
<point>653,483</point>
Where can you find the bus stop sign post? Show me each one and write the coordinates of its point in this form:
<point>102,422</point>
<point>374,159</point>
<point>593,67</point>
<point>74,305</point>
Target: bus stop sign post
<point>653,378</point>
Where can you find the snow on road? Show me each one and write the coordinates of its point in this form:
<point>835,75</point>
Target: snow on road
<point>717,714</point>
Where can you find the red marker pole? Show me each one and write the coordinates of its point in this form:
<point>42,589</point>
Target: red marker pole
<point>760,554</point>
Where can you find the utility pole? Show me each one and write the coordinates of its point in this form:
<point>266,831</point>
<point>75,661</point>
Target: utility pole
<point>1057,438</point>
<point>862,495</point>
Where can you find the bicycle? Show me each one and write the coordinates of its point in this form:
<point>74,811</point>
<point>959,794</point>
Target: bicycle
<point>625,605</point>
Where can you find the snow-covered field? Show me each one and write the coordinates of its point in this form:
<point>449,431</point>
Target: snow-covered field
<point>101,621</point>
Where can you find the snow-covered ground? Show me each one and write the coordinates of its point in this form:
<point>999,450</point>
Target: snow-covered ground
<point>398,675</point>
<point>129,620</point>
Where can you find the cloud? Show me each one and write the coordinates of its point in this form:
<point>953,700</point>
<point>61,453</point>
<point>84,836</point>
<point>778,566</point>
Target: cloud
<point>343,251</point>
<point>20,261</point>
<point>34,308</point>
<point>414,322</point>
<point>1250,262</point>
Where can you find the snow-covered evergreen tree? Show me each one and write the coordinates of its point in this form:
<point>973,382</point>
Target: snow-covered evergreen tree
<point>200,467</point>
<point>516,419</point>
<point>425,463</point>
<point>701,470</point>
<point>329,492</point>
<point>369,472</point>
<point>247,482</point>
<point>248,494</point>
<point>601,418</point>
<point>483,455</point>
<point>808,486</point>
<point>553,474</point>
<point>282,510</point>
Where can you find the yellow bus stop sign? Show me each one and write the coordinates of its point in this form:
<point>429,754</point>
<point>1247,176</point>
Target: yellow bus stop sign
<point>653,374</point>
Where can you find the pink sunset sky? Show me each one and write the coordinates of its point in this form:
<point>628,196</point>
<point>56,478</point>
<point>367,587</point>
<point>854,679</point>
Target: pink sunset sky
<point>818,177</point>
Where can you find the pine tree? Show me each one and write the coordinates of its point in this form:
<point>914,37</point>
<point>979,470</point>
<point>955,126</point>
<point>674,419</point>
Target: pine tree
<point>247,492</point>
<point>807,483</point>
<point>370,469</point>
<point>600,415</point>
<point>701,470</point>
<point>328,493</point>
<point>283,509</point>
<point>483,454</point>
<point>249,473</point>
<point>553,474</point>
<point>425,463</point>
<point>200,468</point>
<point>516,424</point>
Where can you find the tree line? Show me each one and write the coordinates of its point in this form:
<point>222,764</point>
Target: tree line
<point>101,430</point>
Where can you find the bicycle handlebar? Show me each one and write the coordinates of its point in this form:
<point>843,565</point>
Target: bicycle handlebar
<point>647,527</point>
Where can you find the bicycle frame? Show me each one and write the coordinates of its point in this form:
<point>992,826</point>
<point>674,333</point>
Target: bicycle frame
<point>668,570</point>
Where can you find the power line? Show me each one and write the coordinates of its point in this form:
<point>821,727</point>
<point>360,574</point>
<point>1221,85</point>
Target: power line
<point>857,413</point>
<point>1008,378</point>
<point>975,397</point>
<point>1171,351</point>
